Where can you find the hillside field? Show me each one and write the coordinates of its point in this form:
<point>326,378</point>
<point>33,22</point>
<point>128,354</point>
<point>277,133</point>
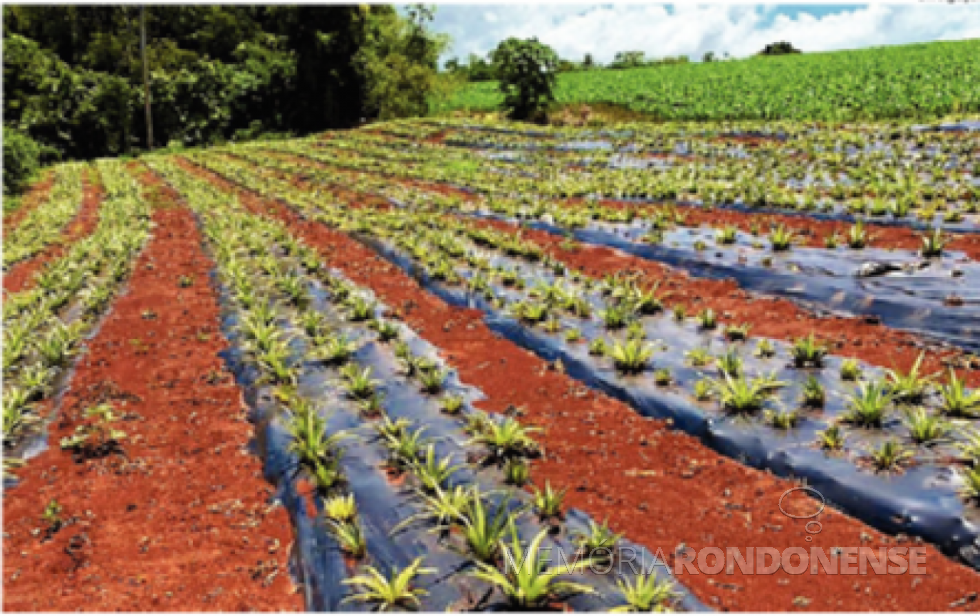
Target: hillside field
<point>910,81</point>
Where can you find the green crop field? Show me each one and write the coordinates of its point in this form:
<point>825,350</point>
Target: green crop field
<point>911,81</point>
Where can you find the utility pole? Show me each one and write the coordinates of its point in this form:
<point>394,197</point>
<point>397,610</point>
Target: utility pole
<point>146,79</point>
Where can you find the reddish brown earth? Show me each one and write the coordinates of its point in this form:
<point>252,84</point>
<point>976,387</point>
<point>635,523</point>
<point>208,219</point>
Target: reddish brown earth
<point>35,196</point>
<point>769,317</point>
<point>810,231</point>
<point>181,520</point>
<point>354,199</point>
<point>21,275</point>
<point>660,487</point>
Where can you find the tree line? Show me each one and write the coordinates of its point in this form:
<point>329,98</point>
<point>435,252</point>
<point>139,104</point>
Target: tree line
<point>73,75</point>
<point>479,68</point>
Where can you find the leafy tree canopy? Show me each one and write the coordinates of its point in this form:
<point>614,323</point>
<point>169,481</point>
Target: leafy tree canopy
<point>73,78</point>
<point>527,71</point>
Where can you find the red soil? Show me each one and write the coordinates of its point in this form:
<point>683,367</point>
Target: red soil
<point>769,317</point>
<point>660,487</point>
<point>354,199</point>
<point>182,521</point>
<point>811,231</point>
<point>35,196</point>
<point>21,275</point>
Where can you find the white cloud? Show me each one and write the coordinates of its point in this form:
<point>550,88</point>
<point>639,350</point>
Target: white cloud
<point>668,30</point>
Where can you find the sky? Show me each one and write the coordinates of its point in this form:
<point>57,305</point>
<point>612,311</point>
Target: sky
<point>692,29</point>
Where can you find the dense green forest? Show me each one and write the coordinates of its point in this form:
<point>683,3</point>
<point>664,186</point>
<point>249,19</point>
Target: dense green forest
<point>73,75</point>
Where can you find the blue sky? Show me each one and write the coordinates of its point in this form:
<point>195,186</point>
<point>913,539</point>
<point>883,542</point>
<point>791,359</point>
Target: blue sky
<point>692,29</point>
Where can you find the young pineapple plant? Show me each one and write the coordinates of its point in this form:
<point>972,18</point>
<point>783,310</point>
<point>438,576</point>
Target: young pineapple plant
<point>517,472</point>
<point>598,542</point>
<point>631,357</point>
<point>850,370</point>
<point>739,395</point>
<point>548,502</point>
<point>781,238</point>
<point>707,319</point>
<point>333,349</point>
<point>911,386</point>
<point>831,439</point>
<point>971,484</point>
<point>730,362</point>
<point>527,581</point>
<point>956,401</point>
<point>807,352</point>
<point>452,404</point>
<point>484,533</point>
<point>868,406</point>
<point>342,509</point>
<point>405,449</point>
<point>646,594</point>
<point>432,380</point>
<point>737,332</point>
<point>358,381</point>
<point>431,471</point>
<point>889,456</point>
<point>506,439</point>
<point>970,447</point>
<point>764,349</point>
<point>350,537</point>
<point>387,331</point>
<point>360,309</point>
<point>726,235</point>
<point>782,420</point>
<point>389,593</point>
<point>857,236</point>
<point>703,390</point>
<point>933,243</point>
<point>615,317</point>
<point>97,437</point>
<point>814,395</point>
<point>636,331</point>
<point>925,427</point>
<point>699,357</point>
<point>598,347</point>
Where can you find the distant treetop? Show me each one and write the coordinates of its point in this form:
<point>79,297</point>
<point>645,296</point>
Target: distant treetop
<point>779,49</point>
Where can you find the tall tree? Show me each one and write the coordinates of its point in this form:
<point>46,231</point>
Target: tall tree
<point>528,73</point>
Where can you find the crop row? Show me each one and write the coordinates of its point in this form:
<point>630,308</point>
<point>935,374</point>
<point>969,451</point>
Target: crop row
<point>913,81</point>
<point>814,173</point>
<point>44,326</point>
<point>45,222</point>
<point>574,214</point>
<point>594,447</point>
<point>308,336</point>
<point>834,277</point>
<point>613,320</point>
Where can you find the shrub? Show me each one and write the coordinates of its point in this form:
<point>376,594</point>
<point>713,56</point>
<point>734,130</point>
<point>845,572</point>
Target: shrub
<point>21,160</point>
<point>781,48</point>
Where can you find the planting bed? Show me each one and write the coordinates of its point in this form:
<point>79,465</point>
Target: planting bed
<point>450,357</point>
<point>21,274</point>
<point>931,296</point>
<point>159,505</point>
